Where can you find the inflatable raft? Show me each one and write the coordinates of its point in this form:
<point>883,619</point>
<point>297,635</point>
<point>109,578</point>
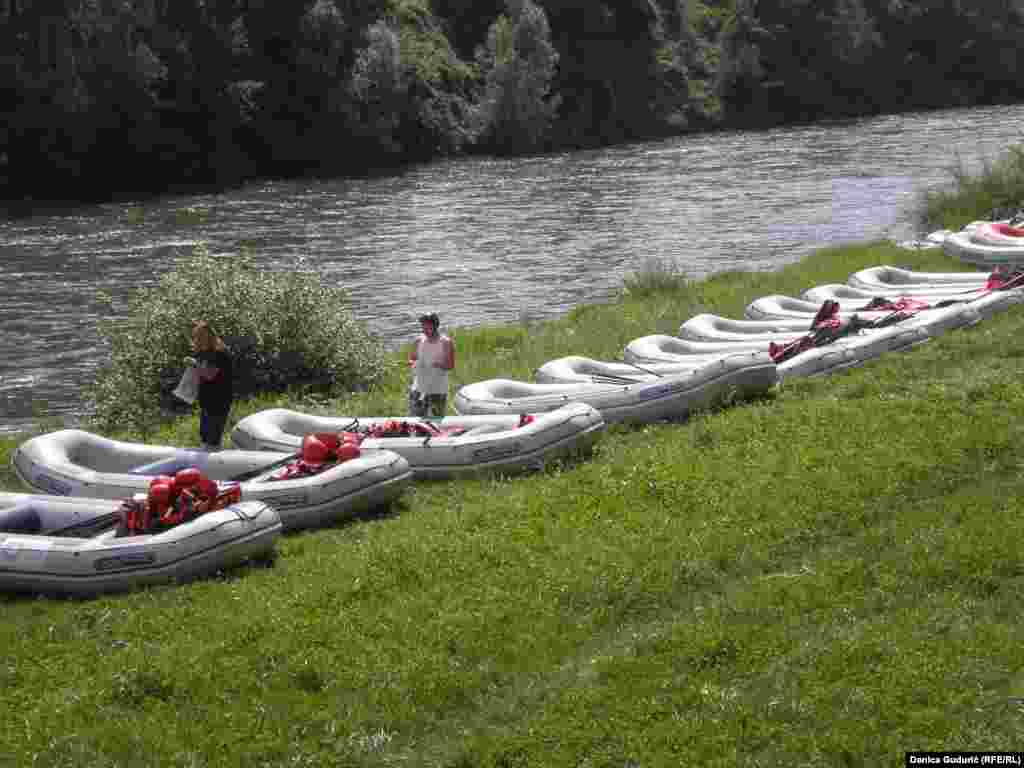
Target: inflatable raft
<point>983,244</point>
<point>576,369</point>
<point>73,462</point>
<point>53,544</point>
<point>669,350</point>
<point>706,327</point>
<point>974,306</point>
<point>451,446</point>
<point>778,307</point>
<point>851,296</point>
<point>843,353</point>
<point>667,397</point>
<point>877,308</point>
<point>661,349</point>
<point>903,282</point>
<point>997,233</point>
<point>933,322</point>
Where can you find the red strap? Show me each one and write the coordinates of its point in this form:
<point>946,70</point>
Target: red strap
<point>1000,281</point>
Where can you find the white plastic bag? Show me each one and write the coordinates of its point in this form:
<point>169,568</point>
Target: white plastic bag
<point>188,387</point>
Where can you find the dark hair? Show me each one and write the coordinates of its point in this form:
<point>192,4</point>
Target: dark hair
<point>432,318</point>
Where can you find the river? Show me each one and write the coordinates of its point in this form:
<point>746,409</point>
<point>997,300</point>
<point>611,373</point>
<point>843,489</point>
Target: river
<point>483,241</point>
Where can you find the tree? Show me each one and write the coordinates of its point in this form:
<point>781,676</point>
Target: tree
<point>377,88</point>
<point>518,107</point>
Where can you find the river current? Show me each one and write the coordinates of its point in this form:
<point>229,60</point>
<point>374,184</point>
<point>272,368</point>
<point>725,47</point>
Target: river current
<point>483,241</point>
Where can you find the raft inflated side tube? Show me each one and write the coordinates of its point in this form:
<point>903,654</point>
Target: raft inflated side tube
<point>20,519</point>
<point>1007,230</point>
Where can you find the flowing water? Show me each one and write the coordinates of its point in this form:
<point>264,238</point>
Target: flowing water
<point>483,241</point>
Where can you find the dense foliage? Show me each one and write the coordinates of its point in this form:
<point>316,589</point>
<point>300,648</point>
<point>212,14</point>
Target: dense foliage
<point>803,59</point>
<point>100,97</point>
<point>282,329</point>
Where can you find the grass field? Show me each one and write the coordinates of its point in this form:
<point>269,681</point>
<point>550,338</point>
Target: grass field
<point>829,576</point>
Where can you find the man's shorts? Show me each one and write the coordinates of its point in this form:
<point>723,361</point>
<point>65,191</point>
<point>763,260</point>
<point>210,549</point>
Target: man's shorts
<point>427,406</point>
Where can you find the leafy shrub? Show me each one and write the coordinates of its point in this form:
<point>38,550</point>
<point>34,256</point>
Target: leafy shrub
<point>654,276</point>
<point>283,329</point>
<point>378,87</point>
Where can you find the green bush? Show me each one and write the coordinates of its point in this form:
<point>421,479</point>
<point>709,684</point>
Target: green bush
<point>654,276</point>
<point>283,329</point>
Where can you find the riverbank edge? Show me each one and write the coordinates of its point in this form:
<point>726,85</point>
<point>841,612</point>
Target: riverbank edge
<point>724,293</point>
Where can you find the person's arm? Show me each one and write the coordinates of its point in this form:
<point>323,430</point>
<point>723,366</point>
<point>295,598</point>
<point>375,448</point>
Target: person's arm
<point>414,353</point>
<point>449,359</point>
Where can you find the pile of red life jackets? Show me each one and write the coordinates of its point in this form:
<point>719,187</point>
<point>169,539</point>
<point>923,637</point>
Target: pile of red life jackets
<point>170,501</point>
<point>826,327</point>
<point>402,428</point>
<point>904,305</point>
<point>322,450</point>
<point>319,452</point>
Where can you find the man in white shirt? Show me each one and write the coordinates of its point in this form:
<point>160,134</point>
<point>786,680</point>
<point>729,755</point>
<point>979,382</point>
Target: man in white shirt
<point>432,356</point>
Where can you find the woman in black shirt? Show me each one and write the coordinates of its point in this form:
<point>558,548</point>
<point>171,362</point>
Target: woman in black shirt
<point>213,367</point>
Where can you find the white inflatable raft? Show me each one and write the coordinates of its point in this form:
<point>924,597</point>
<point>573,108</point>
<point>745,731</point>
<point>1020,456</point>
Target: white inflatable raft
<point>585,370</point>
<point>975,306</point>
<point>778,307</point>
<point>465,444</point>
<point>997,233</point>
<point>661,349</point>
<point>903,282</point>
<point>854,297</point>
<point>985,304</point>
<point>73,462</point>
<point>669,397</point>
<point>51,544</point>
<point>976,244</point>
<point>934,322</point>
<point>715,328</point>
<point>845,352</point>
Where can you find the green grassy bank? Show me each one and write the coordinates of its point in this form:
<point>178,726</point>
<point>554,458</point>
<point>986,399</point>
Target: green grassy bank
<point>830,576</point>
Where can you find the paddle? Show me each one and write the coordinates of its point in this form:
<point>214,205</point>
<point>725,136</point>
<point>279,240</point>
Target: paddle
<point>606,378</point>
<point>85,528</point>
<point>645,370</point>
